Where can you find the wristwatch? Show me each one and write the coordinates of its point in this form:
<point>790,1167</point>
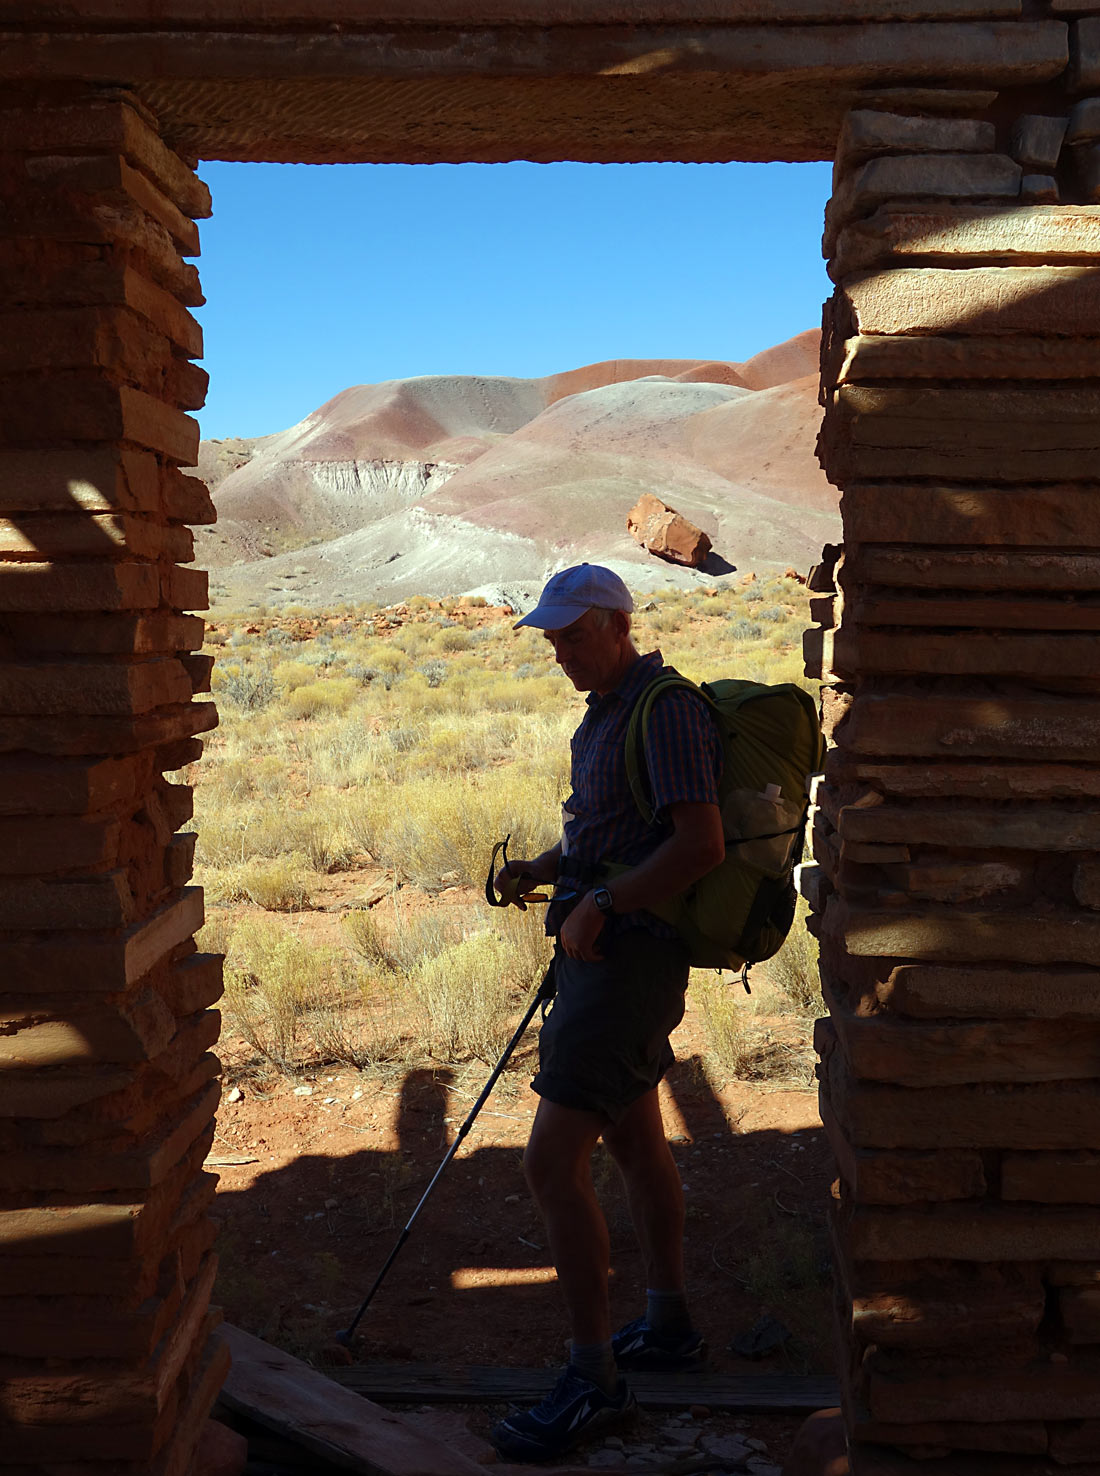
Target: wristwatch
<point>603,899</point>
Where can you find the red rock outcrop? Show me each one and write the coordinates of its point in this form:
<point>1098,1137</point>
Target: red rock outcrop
<point>662,531</point>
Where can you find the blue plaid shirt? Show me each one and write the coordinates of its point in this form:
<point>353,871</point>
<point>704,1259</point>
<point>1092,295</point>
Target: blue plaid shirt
<point>683,761</point>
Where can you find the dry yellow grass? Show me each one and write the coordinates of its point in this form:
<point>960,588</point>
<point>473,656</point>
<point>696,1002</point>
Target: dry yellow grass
<point>415,745</point>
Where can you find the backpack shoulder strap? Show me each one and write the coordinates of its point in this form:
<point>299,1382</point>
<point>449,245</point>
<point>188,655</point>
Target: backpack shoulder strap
<point>636,773</point>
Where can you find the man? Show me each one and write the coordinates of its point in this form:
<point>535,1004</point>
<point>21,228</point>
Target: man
<point>620,975</point>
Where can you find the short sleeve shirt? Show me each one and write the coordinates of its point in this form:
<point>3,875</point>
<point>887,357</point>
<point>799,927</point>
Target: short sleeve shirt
<point>683,761</point>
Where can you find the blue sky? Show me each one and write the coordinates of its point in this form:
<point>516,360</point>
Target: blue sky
<point>320,277</point>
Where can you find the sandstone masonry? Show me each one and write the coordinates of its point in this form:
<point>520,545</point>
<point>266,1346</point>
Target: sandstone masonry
<point>107,1082</point>
<point>957,830</point>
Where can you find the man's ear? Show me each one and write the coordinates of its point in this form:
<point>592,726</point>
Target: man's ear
<point>620,620</point>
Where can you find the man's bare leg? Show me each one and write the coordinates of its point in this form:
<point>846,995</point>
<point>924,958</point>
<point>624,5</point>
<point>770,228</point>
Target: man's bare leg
<point>638,1145</point>
<point>558,1168</point>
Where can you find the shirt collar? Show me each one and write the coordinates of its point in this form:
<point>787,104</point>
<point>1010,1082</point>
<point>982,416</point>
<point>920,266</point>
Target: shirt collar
<point>639,675</point>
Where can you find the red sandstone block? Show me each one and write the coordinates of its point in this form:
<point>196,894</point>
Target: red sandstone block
<point>908,1053</point>
<point>903,1178</point>
<point>185,589</point>
<point>91,586</point>
<point>188,500</point>
<point>87,478</point>
<point>1058,994</point>
<point>925,779</point>
<point>106,689</point>
<point>53,277</point>
<point>107,126</point>
<point>57,338</point>
<point>82,405</point>
<point>118,1225</point>
<point>86,1276</point>
<point>103,902</point>
<point>1010,1437</point>
<point>985,570</point>
<point>1080,1309</point>
<point>140,1107</point>
<point>970,1232</point>
<point>1044,1391</point>
<point>939,725</point>
<point>179,863</point>
<point>937,1305</point>
<point>199,669</point>
<point>116,1413</point>
<point>104,635</point>
<point>1076,1443</point>
<point>138,1163</point>
<point>66,736</point>
<point>1051,1178</point>
<point>1046,1115</point>
<point>1060,517</point>
<point>88,1326</point>
<point>97,965</point>
<point>94,535</point>
<point>195,983</point>
<point>1073,1273</point>
<point>51,844</point>
<point>973,611</point>
<point>109,178</point>
<point>129,1029</point>
<point>185,385</point>
<point>30,785</point>
<point>172,756</point>
<point>857,650</point>
<point>949,934</point>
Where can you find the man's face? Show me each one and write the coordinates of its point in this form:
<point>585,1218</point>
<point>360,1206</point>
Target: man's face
<point>589,652</point>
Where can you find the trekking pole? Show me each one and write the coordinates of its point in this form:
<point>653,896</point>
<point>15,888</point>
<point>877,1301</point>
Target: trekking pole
<point>545,992</point>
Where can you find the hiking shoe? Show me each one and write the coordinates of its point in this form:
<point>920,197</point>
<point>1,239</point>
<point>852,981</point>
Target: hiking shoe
<point>637,1346</point>
<point>576,1409</point>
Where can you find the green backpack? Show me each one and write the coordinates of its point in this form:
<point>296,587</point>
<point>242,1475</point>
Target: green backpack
<point>741,912</point>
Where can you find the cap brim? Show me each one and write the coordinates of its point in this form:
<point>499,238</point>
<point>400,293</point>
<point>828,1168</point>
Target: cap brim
<point>552,617</point>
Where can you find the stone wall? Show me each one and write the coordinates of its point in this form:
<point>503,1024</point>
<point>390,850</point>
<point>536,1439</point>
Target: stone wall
<point>107,1081</point>
<point>957,833</point>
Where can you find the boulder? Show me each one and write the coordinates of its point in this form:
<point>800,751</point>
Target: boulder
<point>662,531</point>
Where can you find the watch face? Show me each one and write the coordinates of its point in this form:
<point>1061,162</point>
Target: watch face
<point>603,899</point>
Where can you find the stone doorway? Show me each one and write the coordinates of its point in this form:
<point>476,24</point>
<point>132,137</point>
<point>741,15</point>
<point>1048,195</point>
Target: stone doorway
<point>957,829</point>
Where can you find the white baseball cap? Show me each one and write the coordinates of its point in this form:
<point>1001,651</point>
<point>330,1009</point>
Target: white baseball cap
<point>570,592</point>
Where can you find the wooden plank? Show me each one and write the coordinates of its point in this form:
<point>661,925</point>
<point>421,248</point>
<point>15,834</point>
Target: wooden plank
<point>342,1427</point>
<point>433,1384</point>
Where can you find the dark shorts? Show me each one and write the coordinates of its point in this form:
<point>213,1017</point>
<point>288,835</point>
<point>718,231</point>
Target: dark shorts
<point>605,1041</point>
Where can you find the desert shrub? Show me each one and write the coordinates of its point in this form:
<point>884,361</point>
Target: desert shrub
<point>739,1047</point>
<point>455,638</point>
<point>439,826</point>
<point>752,594</point>
<point>434,672</point>
<point>333,695</point>
<point>743,629</point>
<point>366,936</point>
<point>357,1022</point>
<point>249,688</point>
<point>465,998</point>
<point>289,675</point>
<point>268,976</point>
<point>794,969</point>
<point>772,613</point>
<point>275,883</point>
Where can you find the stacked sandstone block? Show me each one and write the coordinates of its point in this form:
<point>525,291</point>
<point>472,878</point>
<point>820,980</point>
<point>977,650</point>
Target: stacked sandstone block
<point>957,834</point>
<point>107,1082</point>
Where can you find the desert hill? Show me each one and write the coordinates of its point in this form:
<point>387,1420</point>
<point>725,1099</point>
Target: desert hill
<point>445,485</point>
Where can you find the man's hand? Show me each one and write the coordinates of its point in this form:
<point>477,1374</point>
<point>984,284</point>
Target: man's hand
<point>518,877</point>
<point>581,929</point>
